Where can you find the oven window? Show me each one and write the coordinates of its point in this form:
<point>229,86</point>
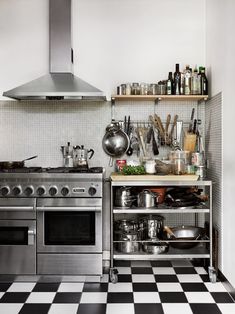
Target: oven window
<point>13,235</point>
<point>69,228</point>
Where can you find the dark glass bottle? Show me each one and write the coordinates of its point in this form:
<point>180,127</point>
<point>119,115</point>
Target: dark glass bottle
<point>204,82</point>
<point>177,79</point>
<point>169,84</point>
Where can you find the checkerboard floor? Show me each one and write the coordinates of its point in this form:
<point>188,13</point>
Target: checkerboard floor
<point>143,287</point>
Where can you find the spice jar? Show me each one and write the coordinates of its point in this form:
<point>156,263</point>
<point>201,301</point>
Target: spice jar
<point>135,89</point>
<point>128,89</point>
<point>144,89</point>
<point>179,166</point>
<point>150,166</point>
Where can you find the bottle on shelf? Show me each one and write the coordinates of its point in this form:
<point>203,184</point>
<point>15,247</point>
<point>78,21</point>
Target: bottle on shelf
<point>177,79</point>
<point>187,81</point>
<point>203,82</point>
<point>195,82</point>
<point>169,84</point>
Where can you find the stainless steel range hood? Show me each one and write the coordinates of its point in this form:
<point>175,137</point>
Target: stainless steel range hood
<point>60,84</point>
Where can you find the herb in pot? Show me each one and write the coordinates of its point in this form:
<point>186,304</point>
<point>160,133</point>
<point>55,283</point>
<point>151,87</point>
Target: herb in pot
<point>133,170</point>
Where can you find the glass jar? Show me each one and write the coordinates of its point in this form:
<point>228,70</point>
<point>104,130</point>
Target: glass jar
<point>150,166</point>
<point>128,89</point>
<point>179,166</point>
<point>144,89</point>
<point>153,89</point>
<point>135,89</point>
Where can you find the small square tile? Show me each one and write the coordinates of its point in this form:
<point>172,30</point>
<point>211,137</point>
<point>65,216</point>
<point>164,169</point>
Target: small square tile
<point>14,297</point>
<point>71,287</point>
<point>199,297</point>
<point>201,270</point>
<point>163,271</point>
<point>140,264</point>
<point>91,309</point>
<point>120,287</point>
<point>120,297</point>
<point>146,286</point>
<point>205,278</point>
<point>161,264</point>
<point>4,286</point>
<point>1,294</point>
<point>175,308</point>
<point>10,308</point>
<point>166,278</point>
<point>205,308</point>
<point>41,297</point>
<point>94,297</point>
<point>181,263</point>
<point>124,278</point>
<point>21,287</point>
<point>46,287</point>
<point>124,270</point>
<point>67,297</point>
<point>120,308</point>
<point>35,309</point>
<point>148,308</point>
<point>196,286</point>
<point>189,278</point>
<point>143,278</point>
<point>104,278</point>
<point>169,287</point>
<point>146,297</point>
<point>63,309</point>
<point>227,308</point>
<point>185,270</point>
<point>222,297</point>
<point>172,297</point>
<point>95,287</point>
<point>141,270</point>
<point>215,287</point>
<point>122,263</point>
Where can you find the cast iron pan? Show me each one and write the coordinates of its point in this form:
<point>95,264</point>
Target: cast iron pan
<point>14,164</point>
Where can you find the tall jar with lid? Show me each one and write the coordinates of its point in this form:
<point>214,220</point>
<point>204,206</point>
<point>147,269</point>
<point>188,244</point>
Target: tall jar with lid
<point>135,89</point>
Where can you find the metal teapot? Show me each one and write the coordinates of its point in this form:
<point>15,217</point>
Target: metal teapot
<point>80,156</point>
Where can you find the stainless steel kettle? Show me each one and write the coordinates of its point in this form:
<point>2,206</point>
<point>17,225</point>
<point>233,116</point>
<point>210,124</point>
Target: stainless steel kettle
<point>80,156</point>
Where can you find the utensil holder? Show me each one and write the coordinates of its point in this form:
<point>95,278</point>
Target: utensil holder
<point>190,142</point>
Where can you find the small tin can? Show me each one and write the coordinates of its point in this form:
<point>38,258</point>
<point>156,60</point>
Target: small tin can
<point>197,159</point>
<point>201,171</point>
<point>120,163</point>
<point>190,169</point>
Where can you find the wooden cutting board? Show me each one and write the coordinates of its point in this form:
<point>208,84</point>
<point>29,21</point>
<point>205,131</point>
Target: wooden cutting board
<point>145,177</point>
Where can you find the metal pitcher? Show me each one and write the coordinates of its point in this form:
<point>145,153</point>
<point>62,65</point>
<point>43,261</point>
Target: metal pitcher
<point>81,156</point>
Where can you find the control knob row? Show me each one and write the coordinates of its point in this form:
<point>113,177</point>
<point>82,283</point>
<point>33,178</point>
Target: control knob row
<point>29,190</point>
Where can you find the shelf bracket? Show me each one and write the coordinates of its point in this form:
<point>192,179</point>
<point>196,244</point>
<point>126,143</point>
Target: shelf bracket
<point>112,108</point>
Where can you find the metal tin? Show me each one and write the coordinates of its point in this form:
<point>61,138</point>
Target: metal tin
<point>201,171</point>
<point>120,163</point>
<point>197,159</point>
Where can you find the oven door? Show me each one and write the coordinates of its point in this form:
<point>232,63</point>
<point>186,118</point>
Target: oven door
<point>69,225</point>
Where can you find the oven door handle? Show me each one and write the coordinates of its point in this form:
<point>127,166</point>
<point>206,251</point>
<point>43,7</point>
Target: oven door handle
<point>31,236</point>
<point>70,208</point>
<point>16,208</point>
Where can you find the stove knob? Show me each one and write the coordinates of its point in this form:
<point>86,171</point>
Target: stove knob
<point>65,191</point>
<point>16,190</point>
<point>41,190</point>
<point>53,191</point>
<point>28,191</point>
<point>92,191</point>
<point>5,190</point>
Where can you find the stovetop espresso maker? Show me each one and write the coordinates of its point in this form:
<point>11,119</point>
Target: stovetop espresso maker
<point>81,156</point>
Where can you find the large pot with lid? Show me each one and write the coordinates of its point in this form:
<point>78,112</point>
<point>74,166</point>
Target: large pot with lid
<point>147,199</point>
<point>151,227</point>
<point>128,242</point>
<point>123,197</point>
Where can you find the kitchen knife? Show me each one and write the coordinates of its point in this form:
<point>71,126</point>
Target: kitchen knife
<point>191,121</point>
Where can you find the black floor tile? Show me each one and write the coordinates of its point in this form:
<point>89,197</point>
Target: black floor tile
<point>91,309</point>
<point>141,270</point>
<point>14,297</point>
<point>161,264</point>
<point>205,308</point>
<point>166,278</point>
<point>46,287</point>
<point>120,297</point>
<point>185,270</point>
<point>205,278</point>
<point>144,286</point>
<point>35,308</point>
<point>148,308</point>
<point>194,287</point>
<point>67,297</point>
<point>222,297</point>
<point>124,278</point>
<point>122,263</point>
<point>4,286</point>
<point>95,287</point>
<point>173,297</point>
<point>198,262</point>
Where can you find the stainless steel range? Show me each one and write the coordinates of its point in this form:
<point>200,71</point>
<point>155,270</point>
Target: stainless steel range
<point>51,221</point>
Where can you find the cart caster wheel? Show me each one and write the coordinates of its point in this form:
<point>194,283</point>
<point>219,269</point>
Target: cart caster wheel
<point>212,274</point>
<point>113,275</point>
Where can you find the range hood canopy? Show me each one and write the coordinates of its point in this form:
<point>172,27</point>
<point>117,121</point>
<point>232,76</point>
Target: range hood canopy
<point>60,83</point>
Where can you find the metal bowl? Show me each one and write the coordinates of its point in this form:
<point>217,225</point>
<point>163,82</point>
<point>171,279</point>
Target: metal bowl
<point>186,233</point>
<point>115,144</point>
<point>155,247</point>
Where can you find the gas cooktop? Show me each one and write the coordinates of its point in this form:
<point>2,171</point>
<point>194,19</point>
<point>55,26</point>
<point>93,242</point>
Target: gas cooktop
<point>53,170</point>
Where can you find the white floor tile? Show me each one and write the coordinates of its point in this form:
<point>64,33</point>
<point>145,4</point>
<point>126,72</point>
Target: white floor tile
<point>71,287</point>
<point>1,294</point>
<point>199,297</point>
<point>120,287</point>
<point>140,263</point>
<point>215,287</point>
<point>176,308</point>
<point>143,278</point>
<point>94,297</point>
<point>201,270</point>
<point>10,308</point>
<point>169,287</point>
<point>63,309</point>
<point>117,308</point>
<point>124,270</point>
<point>181,263</point>
<point>228,308</point>
<point>163,271</point>
<point>146,297</point>
<point>41,297</point>
<point>104,278</point>
<point>21,287</point>
<point>189,278</point>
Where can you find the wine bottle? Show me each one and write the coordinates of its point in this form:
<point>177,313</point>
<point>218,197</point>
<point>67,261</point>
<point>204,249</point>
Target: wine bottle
<point>169,84</point>
<point>177,79</point>
<point>204,82</point>
<point>187,81</point>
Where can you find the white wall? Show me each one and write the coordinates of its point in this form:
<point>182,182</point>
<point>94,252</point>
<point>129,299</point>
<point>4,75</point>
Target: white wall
<point>220,51</point>
<point>114,41</point>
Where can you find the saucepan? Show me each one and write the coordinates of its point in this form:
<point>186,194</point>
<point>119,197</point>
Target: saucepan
<point>14,164</point>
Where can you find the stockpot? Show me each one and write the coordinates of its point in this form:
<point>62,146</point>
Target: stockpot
<point>147,199</point>
<point>128,244</point>
<point>151,227</point>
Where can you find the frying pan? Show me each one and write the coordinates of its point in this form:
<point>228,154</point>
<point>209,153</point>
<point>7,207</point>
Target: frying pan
<point>14,164</point>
